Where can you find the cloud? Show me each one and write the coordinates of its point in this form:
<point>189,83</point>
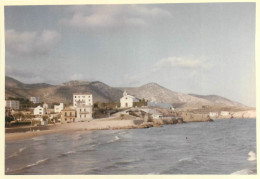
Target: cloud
<point>31,43</point>
<point>110,16</point>
<point>180,62</point>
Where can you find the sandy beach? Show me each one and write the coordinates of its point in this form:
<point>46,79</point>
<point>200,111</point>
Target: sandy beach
<point>70,127</point>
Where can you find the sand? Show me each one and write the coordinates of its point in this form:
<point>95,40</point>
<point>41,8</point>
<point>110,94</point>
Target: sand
<point>78,126</point>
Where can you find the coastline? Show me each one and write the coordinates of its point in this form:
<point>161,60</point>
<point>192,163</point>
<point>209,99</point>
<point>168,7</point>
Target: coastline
<point>102,124</point>
<point>79,126</point>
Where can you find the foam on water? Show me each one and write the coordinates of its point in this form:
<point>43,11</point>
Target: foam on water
<point>8,171</point>
<point>16,153</point>
<point>189,159</point>
<point>245,172</point>
<point>116,138</point>
<point>252,156</point>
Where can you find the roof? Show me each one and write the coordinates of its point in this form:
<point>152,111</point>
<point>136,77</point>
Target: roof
<point>129,96</point>
<point>81,93</point>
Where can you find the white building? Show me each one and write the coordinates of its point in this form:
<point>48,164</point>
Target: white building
<point>83,102</point>
<point>58,108</point>
<point>127,100</point>
<point>224,113</point>
<point>35,100</point>
<point>39,111</point>
<point>213,115</point>
<point>12,104</point>
<point>82,99</point>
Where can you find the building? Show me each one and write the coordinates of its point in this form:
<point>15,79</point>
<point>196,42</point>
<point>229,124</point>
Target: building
<point>84,113</point>
<point>58,108</point>
<point>82,99</point>
<point>224,113</point>
<point>39,111</point>
<point>68,115</point>
<point>82,103</point>
<point>35,100</point>
<point>127,100</point>
<point>12,104</point>
<point>213,115</point>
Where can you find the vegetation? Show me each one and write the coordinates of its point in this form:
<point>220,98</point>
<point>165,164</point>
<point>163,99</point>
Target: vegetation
<point>141,103</point>
<point>105,109</point>
<point>8,119</point>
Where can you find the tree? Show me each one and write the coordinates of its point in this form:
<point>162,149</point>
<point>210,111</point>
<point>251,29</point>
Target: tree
<point>8,119</point>
<point>45,117</point>
<point>18,115</point>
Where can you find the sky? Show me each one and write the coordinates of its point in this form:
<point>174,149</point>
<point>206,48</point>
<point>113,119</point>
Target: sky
<point>202,48</point>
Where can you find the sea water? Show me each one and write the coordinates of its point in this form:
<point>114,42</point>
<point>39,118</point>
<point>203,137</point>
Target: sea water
<point>219,147</point>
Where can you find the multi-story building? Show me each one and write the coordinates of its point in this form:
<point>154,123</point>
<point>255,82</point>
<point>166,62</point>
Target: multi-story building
<point>35,100</point>
<point>39,111</point>
<point>82,99</point>
<point>68,115</point>
<point>58,108</point>
<point>83,102</point>
<point>12,104</point>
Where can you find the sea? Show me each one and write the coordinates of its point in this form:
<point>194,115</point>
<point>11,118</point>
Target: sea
<point>219,147</point>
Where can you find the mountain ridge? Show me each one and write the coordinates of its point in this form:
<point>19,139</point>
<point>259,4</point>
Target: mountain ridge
<point>104,93</point>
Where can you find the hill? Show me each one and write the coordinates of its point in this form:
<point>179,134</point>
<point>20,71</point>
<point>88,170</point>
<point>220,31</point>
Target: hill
<point>104,93</point>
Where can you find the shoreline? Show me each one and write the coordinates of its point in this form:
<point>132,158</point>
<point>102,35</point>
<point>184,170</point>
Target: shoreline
<point>79,126</point>
<point>94,125</point>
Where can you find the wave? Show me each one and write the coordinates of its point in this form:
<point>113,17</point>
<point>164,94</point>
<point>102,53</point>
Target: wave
<point>252,156</point>
<point>26,167</point>
<point>116,138</point>
<point>188,159</point>
<point>67,153</point>
<point>125,162</point>
<point>70,152</point>
<point>245,172</point>
<point>16,153</point>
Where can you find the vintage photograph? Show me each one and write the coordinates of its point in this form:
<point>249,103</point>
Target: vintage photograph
<point>109,89</point>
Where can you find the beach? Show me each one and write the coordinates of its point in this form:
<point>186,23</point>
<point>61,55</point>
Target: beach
<point>99,124</point>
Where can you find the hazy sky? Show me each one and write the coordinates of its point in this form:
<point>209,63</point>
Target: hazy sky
<point>190,48</point>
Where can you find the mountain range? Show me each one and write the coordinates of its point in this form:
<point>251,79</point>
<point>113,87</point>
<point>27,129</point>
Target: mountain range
<point>104,93</point>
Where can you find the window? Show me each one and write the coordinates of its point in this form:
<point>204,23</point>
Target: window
<point>85,115</point>
<point>80,116</point>
<point>84,109</point>
<point>65,113</point>
<point>80,110</point>
<point>75,96</point>
<point>70,113</point>
<point>83,96</point>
